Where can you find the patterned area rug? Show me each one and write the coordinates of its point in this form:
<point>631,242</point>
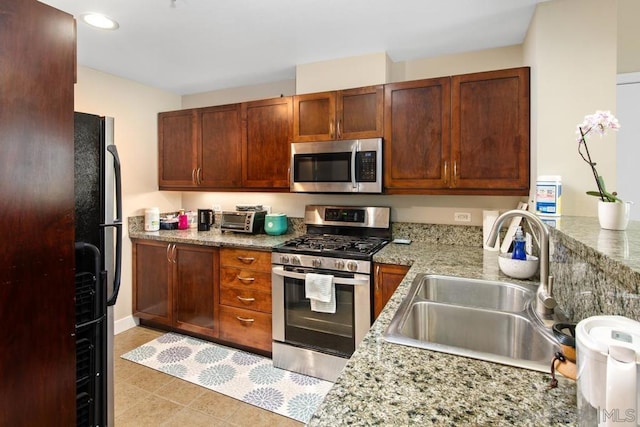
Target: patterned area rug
<point>238,374</point>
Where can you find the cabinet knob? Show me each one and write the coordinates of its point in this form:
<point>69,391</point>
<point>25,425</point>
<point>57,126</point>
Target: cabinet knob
<point>246,260</point>
<point>243,299</point>
<point>245,319</point>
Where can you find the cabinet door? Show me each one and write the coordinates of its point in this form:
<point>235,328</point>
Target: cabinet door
<point>416,131</point>
<point>490,136</point>
<point>177,149</point>
<point>314,117</point>
<point>267,131</point>
<point>360,113</point>
<point>246,328</point>
<point>386,280</point>
<point>195,275</point>
<point>37,310</point>
<point>220,156</point>
<point>152,290</point>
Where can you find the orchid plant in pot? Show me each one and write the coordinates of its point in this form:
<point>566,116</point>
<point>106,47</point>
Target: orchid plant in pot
<point>613,213</point>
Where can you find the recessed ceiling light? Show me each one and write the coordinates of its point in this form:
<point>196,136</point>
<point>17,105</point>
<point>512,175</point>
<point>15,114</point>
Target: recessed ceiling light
<point>99,20</point>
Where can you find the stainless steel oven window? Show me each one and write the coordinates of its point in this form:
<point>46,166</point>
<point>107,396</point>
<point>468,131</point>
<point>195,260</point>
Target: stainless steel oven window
<point>332,333</point>
<point>296,324</point>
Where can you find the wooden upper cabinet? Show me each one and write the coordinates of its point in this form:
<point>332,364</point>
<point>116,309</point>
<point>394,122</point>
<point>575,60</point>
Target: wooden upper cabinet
<point>490,132</point>
<point>416,135</point>
<point>177,149</point>
<point>220,158</point>
<point>345,114</point>
<point>466,134</point>
<point>266,136</point>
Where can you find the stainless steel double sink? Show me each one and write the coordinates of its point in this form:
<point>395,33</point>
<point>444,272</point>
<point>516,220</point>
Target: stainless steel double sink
<point>486,320</point>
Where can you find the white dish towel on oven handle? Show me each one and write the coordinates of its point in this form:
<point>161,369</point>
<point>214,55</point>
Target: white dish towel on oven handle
<point>321,291</point>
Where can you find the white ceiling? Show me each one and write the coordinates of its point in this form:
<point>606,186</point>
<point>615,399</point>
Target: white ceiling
<point>204,45</point>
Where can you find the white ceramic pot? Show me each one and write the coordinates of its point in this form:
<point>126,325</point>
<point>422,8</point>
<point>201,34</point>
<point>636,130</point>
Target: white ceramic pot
<point>613,215</point>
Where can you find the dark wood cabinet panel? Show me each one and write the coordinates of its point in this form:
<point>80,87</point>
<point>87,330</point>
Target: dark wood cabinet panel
<point>314,116</point>
<point>247,328</point>
<point>245,298</point>
<point>152,281</point>
<point>417,144</point>
<point>175,285</point>
<point>386,279</point>
<point>467,134</point>
<point>490,136</point>
<point>194,289</point>
<point>177,149</point>
<point>360,112</point>
<point>37,308</point>
<point>345,114</point>
<point>220,159</point>
<point>267,132</point>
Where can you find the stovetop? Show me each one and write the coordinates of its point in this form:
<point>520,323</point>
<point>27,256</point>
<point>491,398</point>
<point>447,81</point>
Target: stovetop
<point>331,245</point>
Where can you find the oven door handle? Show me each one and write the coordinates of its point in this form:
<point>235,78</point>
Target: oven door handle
<point>280,271</point>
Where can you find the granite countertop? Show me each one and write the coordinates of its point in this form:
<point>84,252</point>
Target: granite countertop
<point>389,384</point>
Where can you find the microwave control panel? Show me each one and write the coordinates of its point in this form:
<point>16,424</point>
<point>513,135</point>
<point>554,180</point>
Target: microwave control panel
<point>366,166</point>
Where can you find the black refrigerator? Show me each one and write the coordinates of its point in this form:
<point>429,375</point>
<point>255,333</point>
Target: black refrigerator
<point>98,237</point>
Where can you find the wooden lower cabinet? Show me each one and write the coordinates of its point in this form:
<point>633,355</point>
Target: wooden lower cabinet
<point>218,293</point>
<point>248,328</point>
<point>174,285</point>
<point>245,298</point>
<point>386,279</point>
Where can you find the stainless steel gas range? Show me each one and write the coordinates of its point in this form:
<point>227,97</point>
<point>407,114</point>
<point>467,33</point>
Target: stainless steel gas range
<point>313,335</point>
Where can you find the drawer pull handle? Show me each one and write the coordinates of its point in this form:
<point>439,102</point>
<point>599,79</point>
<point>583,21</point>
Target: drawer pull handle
<point>245,319</point>
<point>246,260</point>
<point>246,299</point>
<point>245,279</point>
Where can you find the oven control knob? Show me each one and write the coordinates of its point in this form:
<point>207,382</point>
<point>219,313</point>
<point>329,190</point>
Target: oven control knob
<point>295,260</point>
<point>352,266</point>
<point>317,263</point>
<point>339,264</point>
<point>284,259</point>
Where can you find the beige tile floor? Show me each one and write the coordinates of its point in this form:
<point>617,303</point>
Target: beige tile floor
<point>146,397</point>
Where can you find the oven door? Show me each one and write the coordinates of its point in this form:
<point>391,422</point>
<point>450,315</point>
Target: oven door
<point>294,322</point>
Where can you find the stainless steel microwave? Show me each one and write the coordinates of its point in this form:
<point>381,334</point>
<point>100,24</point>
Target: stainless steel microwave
<point>347,166</point>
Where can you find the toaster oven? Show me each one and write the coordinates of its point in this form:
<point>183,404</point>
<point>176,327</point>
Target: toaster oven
<point>251,222</point>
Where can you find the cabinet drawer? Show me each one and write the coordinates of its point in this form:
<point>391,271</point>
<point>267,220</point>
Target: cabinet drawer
<point>245,258</point>
<point>245,327</point>
<point>245,278</point>
<point>246,298</point>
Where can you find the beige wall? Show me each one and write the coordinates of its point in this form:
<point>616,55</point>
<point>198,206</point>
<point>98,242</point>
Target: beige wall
<point>343,73</point>
<point>240,94</point>
<point>571,49</point>
<point>134,108</point>
<point>470,62</point>
<point>628,36</point>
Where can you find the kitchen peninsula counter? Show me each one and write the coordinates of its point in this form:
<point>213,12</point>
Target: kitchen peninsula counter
<point>389,384</point>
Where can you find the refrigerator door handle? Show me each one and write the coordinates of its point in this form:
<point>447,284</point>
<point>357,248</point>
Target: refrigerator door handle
<point>117,223</point>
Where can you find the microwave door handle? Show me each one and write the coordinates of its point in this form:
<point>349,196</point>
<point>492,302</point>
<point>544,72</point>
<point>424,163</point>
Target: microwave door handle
<point>354,150</point>
<point>279,271</point>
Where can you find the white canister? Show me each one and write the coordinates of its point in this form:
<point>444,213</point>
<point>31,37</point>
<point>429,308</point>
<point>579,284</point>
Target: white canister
<point>152,219</point>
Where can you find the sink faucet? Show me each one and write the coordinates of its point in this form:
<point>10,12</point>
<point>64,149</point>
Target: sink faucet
<point>545,302</point>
